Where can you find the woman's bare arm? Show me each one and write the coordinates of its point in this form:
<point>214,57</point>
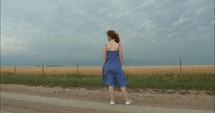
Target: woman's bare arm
<point>104,55</point>
<point>120,55</point>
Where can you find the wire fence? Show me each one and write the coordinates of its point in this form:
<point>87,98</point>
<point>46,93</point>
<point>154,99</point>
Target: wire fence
<point>50,69</point>
<point>97,70</point>
<point>145,66</point>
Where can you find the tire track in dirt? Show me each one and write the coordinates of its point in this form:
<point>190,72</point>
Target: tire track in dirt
<point>92,105</point>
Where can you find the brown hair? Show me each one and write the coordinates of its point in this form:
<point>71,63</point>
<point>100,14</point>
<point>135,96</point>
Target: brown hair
<point>113,35</point>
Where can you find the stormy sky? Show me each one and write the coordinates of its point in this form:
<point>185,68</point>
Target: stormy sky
<point>67,32</point>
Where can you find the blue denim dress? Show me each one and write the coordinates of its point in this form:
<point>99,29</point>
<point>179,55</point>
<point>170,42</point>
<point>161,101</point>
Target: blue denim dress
<point>112,73</point>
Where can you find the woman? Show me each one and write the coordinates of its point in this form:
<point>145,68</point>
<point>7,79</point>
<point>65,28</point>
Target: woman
<point>112,73</point>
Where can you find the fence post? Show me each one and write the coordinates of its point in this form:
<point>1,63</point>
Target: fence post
<point>42,69</point>
<point>15,69</point>
<point>77,68</point>
<point>180,65</point>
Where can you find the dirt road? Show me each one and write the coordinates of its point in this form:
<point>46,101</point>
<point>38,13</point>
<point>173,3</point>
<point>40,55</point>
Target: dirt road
<point>30,99</point>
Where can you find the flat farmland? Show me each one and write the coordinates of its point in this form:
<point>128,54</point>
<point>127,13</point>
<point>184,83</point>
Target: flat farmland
<point>97,70</point>
<point>163,88</point>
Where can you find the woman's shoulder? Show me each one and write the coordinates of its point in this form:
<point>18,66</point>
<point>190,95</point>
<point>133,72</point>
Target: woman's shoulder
<point>105,45</point>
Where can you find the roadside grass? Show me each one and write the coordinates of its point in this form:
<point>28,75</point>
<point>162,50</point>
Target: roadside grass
<point>176,81</point>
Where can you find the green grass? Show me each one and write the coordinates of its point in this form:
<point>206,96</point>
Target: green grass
<point>162,81</point>
<point>173,81</point>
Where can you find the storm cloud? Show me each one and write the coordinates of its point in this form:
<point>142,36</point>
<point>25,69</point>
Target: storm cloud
<point>152,32</point>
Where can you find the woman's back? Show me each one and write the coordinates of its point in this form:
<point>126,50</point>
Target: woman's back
<point>112,54</point>
<point>112,46</point>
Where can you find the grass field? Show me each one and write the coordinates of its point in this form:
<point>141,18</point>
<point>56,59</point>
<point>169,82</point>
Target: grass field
<point>158,77</point>
<point>161,81</point>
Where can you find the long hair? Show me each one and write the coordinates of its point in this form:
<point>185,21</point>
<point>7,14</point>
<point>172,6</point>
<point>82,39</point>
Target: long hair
<point>113,35</point>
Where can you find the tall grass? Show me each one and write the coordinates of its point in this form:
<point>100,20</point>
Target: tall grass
<point>173,81</point>
<point>157,81</point>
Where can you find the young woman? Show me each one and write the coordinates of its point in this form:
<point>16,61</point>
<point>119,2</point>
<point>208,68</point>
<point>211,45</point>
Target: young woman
<point>112,73</point>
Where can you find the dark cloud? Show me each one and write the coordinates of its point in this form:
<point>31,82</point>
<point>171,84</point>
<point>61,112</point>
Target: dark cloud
<point>69,31</point>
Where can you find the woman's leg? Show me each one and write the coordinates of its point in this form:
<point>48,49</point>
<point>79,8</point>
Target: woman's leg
<point>111,92</point>
<point>124,92</point>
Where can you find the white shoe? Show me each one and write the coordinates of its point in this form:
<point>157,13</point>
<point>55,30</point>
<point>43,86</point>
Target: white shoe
<point>129,102</point>
<point>112,102</point>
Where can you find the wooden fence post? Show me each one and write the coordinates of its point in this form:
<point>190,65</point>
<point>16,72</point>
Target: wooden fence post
<point>15,69</point>
<point>77,68</point>
<point>42,69</point>
<point>180,65</point>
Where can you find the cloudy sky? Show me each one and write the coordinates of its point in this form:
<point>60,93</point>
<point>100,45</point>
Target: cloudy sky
<point>64,32</point>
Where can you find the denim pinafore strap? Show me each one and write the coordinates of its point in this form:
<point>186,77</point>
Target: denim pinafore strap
<point>107,48</point>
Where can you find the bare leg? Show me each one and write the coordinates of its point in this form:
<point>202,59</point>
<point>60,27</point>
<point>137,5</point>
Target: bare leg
<point>124,92</point>
<point>111,92</point>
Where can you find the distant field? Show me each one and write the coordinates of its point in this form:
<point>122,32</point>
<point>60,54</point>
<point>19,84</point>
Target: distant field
<point>97,70</point>
<point>158,77</point>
